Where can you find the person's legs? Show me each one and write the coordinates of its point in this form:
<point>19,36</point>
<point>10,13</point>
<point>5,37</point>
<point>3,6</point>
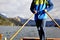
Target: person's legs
<point>41,28</point>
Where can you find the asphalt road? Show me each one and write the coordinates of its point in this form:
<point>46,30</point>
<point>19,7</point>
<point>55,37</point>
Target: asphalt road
<point>28,31</point>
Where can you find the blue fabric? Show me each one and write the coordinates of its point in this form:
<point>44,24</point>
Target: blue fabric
<point>40,10</point>
<point>50,5</point>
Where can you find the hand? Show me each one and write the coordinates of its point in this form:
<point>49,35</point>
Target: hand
<point>35,12</point>
<point>45,10</point>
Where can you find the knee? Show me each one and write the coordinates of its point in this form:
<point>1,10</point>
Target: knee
<point>38,28</point>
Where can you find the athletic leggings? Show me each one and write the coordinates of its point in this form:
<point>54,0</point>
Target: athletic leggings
<point>40,23</point>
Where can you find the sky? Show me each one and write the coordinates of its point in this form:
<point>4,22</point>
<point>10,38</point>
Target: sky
<point>13,8</point>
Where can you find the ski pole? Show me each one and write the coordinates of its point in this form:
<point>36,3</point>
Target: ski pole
<point>20,28</point>
<point>5,38</point>
<point>52,19</point>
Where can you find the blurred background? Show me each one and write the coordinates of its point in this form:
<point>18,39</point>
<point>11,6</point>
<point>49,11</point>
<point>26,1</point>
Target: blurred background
<point>14,13</point>
<point>18,11</point>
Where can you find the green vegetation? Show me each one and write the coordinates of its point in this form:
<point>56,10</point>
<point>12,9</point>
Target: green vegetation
<point>5,22</point>
<point>16,21</point>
